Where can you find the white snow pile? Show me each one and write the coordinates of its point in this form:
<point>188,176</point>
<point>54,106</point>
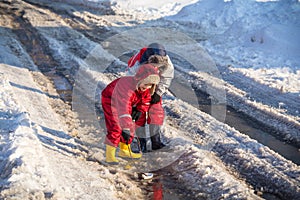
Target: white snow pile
<point>151,9</point>
<point>38,158</point>
<point>255,47</point>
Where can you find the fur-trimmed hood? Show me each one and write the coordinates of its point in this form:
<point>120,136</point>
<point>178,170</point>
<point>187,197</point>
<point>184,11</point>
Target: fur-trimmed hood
<point>147,74</point>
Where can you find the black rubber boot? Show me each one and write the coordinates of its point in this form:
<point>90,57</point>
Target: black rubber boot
<point>155,131</point>
<point>143,145</point>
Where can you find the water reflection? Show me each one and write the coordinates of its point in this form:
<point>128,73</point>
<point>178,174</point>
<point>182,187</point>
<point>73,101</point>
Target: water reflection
<point>254,130</point>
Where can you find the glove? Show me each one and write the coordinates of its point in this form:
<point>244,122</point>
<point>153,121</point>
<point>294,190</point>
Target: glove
<point>155,98</point>
<point>126,135</point>
<point>135,114</point>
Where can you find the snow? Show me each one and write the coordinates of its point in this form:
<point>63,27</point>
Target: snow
<point>242,53</point>
<point>152,9</point>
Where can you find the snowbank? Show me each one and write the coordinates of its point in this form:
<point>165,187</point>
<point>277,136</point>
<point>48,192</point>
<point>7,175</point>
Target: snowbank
<point>41,158</point>
<point>34,146</point>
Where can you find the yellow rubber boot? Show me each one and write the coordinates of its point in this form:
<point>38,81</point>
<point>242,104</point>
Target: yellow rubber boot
<point>111,155</point>
<point>125,151</point>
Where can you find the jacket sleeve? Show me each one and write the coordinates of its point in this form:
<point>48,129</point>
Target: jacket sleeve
<point>123,99</point>
<point>166,77</point>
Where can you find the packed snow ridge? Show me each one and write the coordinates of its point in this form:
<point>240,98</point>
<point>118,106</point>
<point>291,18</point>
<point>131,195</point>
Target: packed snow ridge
<point>46,145</point>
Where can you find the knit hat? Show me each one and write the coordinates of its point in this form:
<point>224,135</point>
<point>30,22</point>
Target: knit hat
<point>153,49</point>
<point>158,49</point>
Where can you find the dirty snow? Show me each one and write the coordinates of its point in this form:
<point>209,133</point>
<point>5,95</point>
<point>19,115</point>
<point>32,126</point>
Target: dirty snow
<point>242,53</point>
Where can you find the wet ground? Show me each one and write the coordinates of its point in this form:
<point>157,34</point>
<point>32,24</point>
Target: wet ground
<point>163,185</point>
<point>38,49</point>
<point>262,133</point>
<point>240,121</point>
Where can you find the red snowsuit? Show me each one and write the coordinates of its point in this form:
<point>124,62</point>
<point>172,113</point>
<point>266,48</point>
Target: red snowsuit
<point>118,98</point>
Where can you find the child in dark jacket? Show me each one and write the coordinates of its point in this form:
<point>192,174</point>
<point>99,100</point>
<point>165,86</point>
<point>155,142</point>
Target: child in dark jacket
<point>153,53</point>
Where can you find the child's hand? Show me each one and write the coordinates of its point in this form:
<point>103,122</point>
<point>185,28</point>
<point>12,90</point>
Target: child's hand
<point>135,115</point>
<point>155,98</point>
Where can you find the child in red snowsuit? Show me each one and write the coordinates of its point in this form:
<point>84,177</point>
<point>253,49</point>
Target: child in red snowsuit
<point>154,53</point>
<point>119,99</point>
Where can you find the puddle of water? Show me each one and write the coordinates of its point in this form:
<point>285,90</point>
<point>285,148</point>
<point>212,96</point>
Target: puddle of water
<point>239,121</point>
<point>165,187</point>
<point>257,131</point>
